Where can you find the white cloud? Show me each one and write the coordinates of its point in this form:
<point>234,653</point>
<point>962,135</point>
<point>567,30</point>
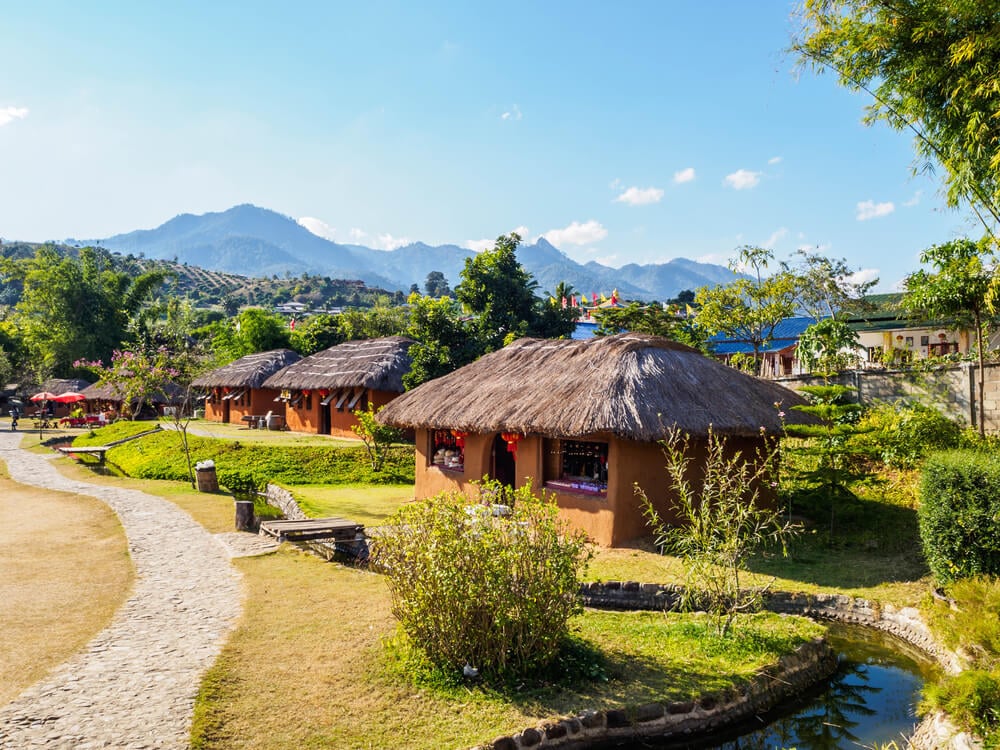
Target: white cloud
<point>872,210</point>
<point>514,113</point>
<point>685,175</point>
<point>776,235</point>
<point>914,200</point>
<point>388,242</point>
<point>609,260</point>
<point>357,235</point>
<point>615,184</point>
<point>774,160</point>
<point>318,227</point>
<point>863,276</point>
<point>9,114</point>
<point>478,245</point>
<point>742,179</point>
<point>577,234</point>
<point>636,196</point>
<point>716,258</point>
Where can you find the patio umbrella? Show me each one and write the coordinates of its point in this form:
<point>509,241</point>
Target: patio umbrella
<point>69,397</point>
<point>43,396</point>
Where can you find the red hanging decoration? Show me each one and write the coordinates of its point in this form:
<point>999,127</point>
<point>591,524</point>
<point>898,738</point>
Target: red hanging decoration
<point>306,393</point>
<point>512,439</point>
<point>460,437</point>
<point>323,393</point>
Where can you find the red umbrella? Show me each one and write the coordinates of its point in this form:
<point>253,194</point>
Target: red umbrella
<point>69,397</point>
<point>43,396</point>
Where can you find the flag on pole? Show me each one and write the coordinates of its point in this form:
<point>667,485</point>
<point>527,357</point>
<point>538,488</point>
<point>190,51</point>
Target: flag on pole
<point>291,324</point>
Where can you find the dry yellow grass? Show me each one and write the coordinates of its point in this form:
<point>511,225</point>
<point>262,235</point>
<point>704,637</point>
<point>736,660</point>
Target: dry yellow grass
<point>66,570</point>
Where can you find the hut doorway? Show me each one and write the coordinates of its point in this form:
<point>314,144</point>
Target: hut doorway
<point>225,410</point>
<point>324,418</point>
<point>502,465</point>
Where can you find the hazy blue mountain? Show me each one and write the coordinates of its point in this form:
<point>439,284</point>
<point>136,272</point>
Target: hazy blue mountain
<point>258,242</point>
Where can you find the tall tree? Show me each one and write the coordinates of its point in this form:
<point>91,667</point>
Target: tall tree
<point>930,67</point>
<point>825,286</point>
<point>436,285</point>
<point>253,330</point>
<point>500,294</point>
<point>957,290</point>
<point>751,307</point>
<point>77,308</point>
<point>443,340</point>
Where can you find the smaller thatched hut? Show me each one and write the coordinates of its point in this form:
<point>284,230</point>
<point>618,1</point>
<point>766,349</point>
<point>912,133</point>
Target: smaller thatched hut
<point>581,419</point>
<point>325,389</point>
<point>103,399</point>
<point>56,386</point>
<point>237,390</point>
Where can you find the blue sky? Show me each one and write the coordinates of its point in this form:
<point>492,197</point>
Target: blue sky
<point>622,132</point>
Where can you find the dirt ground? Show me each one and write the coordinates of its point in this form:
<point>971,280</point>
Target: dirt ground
<point>64,571</point>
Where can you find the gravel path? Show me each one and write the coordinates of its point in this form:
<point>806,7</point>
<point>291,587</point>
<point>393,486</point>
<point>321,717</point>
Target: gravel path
<point>133,686</point>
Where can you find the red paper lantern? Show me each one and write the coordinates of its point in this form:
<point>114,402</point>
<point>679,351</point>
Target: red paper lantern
<point>460,437</point>
<point>512,439</point>
<point>306,393</point>
<point>323,393</point>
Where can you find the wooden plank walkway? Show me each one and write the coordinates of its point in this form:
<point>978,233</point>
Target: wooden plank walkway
<point>329,529</point>
<point>98,450</point>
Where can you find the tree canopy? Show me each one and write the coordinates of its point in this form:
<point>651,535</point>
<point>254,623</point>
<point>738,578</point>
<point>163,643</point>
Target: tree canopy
<point>929,66</point>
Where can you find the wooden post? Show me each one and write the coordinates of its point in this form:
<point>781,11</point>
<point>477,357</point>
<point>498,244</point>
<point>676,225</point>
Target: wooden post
<point>244,515</point>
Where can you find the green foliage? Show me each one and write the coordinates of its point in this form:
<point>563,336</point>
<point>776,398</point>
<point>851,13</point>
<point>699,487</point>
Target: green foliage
<point>444,342</point>
<point>654,319</point>
<point>723,522</point>
<point>471,587</point>
<point>76,307</point>
<point>253,330</point>
<point>929,66</point>
<point>829,442</point>
<point>749,308</point>
<point>239,481</point>
<point>971,699</point>
<point>157,457</point>
<point>826,286</point>
<point>828,347</point>
<point>900,435</point>
<point>436,285</point>
<point>972,626</point>
<point>377,437</point>
<point>134,377</point>
<point>960,514</point>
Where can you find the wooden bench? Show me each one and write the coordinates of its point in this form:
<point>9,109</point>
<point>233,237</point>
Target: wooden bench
<point>327,529</point>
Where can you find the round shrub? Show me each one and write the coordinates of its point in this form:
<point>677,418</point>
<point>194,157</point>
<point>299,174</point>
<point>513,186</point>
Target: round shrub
<point>960,514</point>
<point>473,587</point>
<point>901,435</point>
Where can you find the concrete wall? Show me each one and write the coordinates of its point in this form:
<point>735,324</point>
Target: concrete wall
<point>951,390</point>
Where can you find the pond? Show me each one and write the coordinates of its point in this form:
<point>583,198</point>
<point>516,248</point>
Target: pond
<point>871,699</point>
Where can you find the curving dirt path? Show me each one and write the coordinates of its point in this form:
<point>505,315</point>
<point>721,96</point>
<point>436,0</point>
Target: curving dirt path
<point>134,685</point>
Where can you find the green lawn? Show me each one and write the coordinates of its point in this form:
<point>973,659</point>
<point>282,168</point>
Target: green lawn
<point>365,504</point>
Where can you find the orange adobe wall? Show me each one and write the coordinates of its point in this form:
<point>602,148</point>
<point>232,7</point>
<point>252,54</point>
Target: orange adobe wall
<point>308,415</point>
<point>610,519</point>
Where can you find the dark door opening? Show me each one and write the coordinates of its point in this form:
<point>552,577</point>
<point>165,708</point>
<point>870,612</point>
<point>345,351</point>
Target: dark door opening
<point>324,418</point>
<point>225,410</point>
<point>504,468</point>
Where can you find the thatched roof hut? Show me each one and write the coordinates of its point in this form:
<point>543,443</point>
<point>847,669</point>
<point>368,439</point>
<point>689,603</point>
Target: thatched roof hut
<point>171,393</point>
<point>62,385</point>
<point>630,385</point>
<point>248,372</point>
<point>374,364</point>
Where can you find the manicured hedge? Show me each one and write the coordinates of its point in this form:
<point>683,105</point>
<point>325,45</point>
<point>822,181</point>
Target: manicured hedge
<point>159,456</point>
<point>960,514</point>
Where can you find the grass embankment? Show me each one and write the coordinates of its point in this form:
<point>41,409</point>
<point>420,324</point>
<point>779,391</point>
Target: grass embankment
<point>307,668</point>
<point>66,570</point>
<point>159,456</point>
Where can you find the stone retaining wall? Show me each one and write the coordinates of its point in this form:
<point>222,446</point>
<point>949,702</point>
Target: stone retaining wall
<point>794,672</point>
<point>282,499</point>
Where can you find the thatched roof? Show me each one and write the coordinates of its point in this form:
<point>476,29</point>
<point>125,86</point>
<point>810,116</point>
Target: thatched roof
<point>631,385</point>
<point>377,364</point>
<point>62,385</point>
<point>171,393</point>
<point>248,372</point>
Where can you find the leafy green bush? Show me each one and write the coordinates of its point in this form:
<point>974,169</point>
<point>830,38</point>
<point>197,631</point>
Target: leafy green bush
<point>960,514</point>
<point>901,435</point>
<point>473,588</point>
<point>972,626</point>
<point>971,699</point>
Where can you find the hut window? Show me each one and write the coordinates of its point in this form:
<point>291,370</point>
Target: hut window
<point>447,450</point>
<point>580,466</point>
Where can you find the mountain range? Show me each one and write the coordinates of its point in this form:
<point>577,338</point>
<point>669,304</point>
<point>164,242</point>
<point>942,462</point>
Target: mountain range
<point>255,241</point>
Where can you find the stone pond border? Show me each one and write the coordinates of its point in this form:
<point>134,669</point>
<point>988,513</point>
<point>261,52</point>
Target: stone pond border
<point>709,714</point>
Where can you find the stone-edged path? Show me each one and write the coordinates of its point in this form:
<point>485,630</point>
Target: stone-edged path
<point>133,685</point>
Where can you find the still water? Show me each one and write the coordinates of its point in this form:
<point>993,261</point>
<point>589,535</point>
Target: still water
<point>871,699</point>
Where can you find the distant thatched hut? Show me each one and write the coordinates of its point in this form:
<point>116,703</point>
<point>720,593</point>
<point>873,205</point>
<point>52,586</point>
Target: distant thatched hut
<point>103,398</point>
<point>237,390</point>
<point>324,389</point>
<point>56,386</point>
<point>581,419</point>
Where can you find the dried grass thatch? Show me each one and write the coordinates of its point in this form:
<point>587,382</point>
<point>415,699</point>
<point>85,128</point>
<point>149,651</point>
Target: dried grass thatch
<point>170,394</point>
<point>630,385</point>
<point>248,372</point>
<point>376,364</point>
<point>62,385</point>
